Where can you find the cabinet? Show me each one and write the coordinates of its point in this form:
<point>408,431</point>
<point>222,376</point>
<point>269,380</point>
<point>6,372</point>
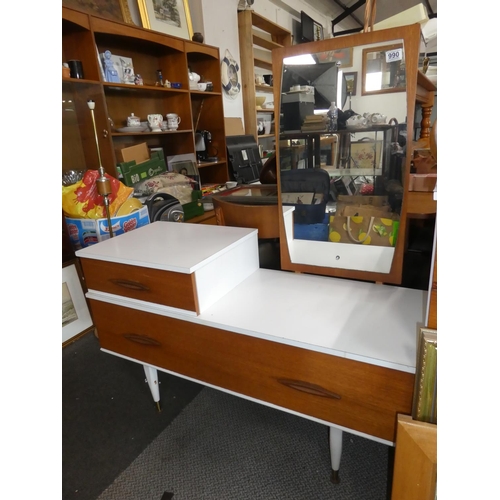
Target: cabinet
<point>84,37</point>
<point>257,37</point>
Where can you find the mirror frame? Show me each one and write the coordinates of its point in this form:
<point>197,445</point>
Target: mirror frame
<point>410,35</point>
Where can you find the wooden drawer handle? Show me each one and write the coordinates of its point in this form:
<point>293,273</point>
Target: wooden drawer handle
<point>134,285</point>
<point>314,389</point>
<point>141,339</point>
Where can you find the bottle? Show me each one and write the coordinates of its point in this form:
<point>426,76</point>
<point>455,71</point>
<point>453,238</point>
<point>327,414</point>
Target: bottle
<point>333,114</point>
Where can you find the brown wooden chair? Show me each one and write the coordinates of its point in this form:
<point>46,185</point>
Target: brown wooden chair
<point>262,217</point>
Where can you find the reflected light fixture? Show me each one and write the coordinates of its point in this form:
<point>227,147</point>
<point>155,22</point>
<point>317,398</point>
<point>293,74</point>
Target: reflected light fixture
<point>300,59</point>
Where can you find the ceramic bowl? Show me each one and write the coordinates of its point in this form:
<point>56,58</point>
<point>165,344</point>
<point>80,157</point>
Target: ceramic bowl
<point>128,206</point>
<point>202,86</point>
<point>231,184</point>
<point>259,101</point>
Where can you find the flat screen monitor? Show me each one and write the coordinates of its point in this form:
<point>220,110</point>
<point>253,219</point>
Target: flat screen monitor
<point>306,28</point>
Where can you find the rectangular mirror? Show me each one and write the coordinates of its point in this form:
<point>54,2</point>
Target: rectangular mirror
<point>341,186</point>
<point>383,70</point>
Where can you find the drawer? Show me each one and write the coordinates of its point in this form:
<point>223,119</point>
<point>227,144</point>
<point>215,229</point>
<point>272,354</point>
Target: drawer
<point>349,393</point>
<point>142,283</point>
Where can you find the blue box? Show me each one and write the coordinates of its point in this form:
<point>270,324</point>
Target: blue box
<point>315,232</point>
<point>86,232</point>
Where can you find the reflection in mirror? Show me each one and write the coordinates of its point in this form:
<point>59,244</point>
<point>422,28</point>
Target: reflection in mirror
<point>343,186</point>
<point>311,82</point>
<point>383,70</point>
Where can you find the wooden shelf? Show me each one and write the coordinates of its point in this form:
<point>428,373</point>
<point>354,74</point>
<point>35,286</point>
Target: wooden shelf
<point>84,37</point>
<point>262,63</point>
<point>264,88</point>
<point>257,31</point>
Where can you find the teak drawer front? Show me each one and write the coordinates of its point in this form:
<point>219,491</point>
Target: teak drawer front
<point>151,285</point>
<point>356,395</point>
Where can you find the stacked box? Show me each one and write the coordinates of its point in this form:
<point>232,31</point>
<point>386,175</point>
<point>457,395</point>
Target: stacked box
<point>86,232</point>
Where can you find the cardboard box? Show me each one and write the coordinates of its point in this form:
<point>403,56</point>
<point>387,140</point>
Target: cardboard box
<point>86,232</point>
<point>138,153</point>
<point>233,126</point>
<point>133,172</point>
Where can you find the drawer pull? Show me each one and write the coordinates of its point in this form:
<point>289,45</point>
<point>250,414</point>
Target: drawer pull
<point>141,339</point>
<point>314,389</point>
<point>133,285</point>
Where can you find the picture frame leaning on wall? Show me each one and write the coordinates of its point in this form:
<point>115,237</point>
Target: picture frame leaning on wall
<point>76,318</point>
<point>170,17</point>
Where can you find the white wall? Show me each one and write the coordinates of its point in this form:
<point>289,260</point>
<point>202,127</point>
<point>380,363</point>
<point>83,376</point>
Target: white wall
<point>217,20</point>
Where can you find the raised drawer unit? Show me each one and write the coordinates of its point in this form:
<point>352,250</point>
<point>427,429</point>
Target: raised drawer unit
<point>171,270</point>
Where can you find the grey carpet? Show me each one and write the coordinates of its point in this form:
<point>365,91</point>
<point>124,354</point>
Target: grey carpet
<point>222,447</point>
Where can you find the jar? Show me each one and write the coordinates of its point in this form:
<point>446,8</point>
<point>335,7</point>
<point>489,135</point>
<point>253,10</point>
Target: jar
<point>133,121</point>
<point>197,37</point>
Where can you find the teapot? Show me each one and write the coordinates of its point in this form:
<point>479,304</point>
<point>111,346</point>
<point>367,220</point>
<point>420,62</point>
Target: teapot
<point>194,78</point>
<point>375,117</point>
<point>357,121</point>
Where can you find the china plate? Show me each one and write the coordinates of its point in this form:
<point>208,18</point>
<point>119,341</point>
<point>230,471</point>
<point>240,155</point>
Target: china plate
<point>132,129</point>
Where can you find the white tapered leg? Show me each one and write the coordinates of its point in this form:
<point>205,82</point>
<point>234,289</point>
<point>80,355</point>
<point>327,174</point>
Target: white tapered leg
<point>335,452</point>
<point>152,378</point>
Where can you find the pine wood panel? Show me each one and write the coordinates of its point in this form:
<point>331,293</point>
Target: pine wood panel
<point>415,462</point>
<point>432,319</point>
<point>356,395</point>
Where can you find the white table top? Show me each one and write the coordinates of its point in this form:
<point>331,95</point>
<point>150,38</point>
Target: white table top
<point>372,323</point>
<point>170,246</point>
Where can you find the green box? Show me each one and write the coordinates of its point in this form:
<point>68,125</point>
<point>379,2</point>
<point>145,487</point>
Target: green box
<point>195,207</point>
<point>133,173</point>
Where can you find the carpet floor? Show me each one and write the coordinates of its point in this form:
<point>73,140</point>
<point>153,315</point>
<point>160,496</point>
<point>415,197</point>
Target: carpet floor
<point>222,447</point>
<point>108,415</point>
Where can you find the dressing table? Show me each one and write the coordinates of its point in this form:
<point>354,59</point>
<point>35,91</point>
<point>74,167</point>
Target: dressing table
<point>191,300</point>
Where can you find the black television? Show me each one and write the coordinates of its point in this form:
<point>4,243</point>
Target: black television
<point>306,28</point>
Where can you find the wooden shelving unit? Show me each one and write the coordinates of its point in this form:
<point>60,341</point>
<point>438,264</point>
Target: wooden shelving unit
<point>85,36</point>
<point>257,32</point>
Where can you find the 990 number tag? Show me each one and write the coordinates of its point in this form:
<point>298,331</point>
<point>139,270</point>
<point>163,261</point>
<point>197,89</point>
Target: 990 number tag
<point>394,55</point>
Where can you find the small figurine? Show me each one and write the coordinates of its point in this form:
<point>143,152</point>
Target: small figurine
<point>167,84</point>
<point>160,77</point>
<point>128,71</point>
<point>110,72</point>
<point>138,80</point>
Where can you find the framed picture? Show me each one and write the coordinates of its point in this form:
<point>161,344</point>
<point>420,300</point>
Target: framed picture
<point>366,154</point>
<point>116,68</point>
<point>342,56</point>
<point>186,165</point>
<point>352,82</point>
<point>383,70</point>
<point>171,17</point>
<point>118,10</point>
<point>76,319</point>
<point>318,32</point>
<point>425,393</point>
